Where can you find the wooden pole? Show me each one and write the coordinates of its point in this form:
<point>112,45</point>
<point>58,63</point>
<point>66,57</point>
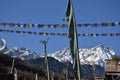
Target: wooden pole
<point>36,76</point>
<point>67,74</point>
<point>12,67</point>
<point>52,76</point>
<point>46,59</point>
<point>15,74</point>
<point>94,75</point>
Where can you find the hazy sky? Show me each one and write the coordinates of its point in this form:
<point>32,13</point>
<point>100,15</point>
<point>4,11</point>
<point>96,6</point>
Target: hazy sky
<point>53,12</point>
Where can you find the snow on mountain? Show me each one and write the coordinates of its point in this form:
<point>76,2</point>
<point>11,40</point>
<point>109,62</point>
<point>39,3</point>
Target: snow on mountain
<point>3,44</point>
<point>62,55</point>
<point>22,53</point>
<point>96,55</point>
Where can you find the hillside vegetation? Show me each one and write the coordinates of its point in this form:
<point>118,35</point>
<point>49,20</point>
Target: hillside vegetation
<point>25,70</point>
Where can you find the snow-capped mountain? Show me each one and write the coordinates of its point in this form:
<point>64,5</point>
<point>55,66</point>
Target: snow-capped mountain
<point>3,45</point>
<point>96,55</point>
<point>22,53</point>
<point>62,55</point>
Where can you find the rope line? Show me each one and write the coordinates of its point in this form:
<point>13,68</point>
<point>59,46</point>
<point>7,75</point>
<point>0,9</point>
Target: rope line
<point>62,34</point>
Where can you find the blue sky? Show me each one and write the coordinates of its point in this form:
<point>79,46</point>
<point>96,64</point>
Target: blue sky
<point>53,12</point>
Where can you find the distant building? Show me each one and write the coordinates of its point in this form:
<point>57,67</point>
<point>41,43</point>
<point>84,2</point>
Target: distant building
<point>112,68</point>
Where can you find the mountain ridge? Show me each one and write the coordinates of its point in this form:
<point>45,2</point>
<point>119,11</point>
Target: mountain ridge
<point>61,57</point>
<point>96,55</point>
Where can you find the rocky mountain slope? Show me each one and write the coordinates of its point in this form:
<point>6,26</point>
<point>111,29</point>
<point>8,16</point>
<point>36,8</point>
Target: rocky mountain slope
<point>95,55</point>
<point>61,60</point>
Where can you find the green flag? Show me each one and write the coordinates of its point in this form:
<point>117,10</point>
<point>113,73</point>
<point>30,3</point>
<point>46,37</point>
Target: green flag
<point>73,39</point>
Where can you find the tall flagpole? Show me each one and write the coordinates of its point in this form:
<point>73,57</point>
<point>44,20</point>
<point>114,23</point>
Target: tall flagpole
<point>46,59</point>
<point>78,60</point>
<point>70,17</point>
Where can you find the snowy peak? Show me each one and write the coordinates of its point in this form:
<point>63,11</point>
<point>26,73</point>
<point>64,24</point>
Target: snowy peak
<point>22,53</point>
<point>96,55</point>
<point>3,45</point>
<point>62,55</point>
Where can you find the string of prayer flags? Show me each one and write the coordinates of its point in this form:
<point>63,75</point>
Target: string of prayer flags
<point>62,34</point>
<point>109,24</point>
